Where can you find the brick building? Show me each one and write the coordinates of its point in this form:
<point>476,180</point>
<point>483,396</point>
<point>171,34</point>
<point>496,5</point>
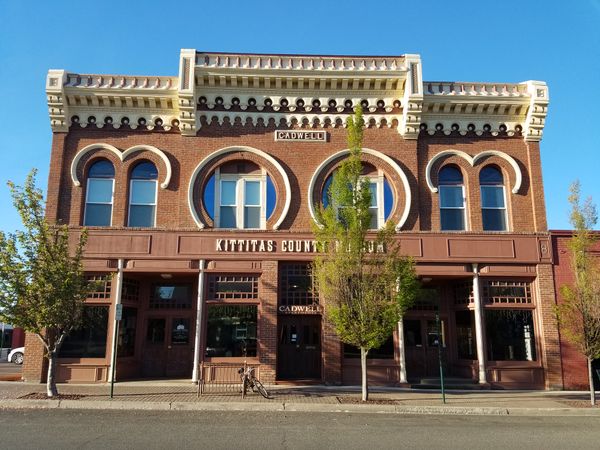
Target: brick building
<point>199,193</point>
<point>574,364</point>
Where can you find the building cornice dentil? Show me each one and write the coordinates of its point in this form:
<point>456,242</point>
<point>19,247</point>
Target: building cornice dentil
<point>294,90</point>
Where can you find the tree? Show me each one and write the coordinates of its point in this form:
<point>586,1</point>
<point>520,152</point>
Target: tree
<point>365,283</point>
<point>579,312</point>
<point>42,283</point>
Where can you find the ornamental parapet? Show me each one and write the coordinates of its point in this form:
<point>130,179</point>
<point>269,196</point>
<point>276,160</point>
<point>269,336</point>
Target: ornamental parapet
<point>292,91</point>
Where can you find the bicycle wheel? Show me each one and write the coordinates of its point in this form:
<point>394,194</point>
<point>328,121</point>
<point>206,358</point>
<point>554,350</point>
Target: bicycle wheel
<point>261,389</point>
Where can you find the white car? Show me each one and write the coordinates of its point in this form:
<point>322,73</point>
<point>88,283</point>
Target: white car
<point>16,355</point>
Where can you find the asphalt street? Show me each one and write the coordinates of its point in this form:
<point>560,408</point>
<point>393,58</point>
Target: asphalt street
<point>70,429</point>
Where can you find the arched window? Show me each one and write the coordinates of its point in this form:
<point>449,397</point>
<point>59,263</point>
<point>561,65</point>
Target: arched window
<point>99,194</point>
<point>493,201</point>
<point>142,195</point>
<point>382,197</point>
<point>240,195</point>
<point>452,199</point>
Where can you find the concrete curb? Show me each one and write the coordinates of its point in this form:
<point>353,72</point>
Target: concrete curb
<point>293,407</point>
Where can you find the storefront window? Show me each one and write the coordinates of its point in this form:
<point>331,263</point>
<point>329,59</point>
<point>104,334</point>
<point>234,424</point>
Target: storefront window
<point>177,296</point>
<point>231,330</point>
<point>465,334</point>
<point>386,351</point>
<point>127,327</point>
<point>510,335</point>
<point>88,341</point>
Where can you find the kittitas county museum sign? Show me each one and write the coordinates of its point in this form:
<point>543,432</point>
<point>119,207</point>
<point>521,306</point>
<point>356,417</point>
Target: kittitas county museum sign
<point>278,245</point>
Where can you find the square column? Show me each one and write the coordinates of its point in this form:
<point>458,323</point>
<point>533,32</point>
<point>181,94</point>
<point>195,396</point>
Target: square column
<point>199,319</point>
<point>402,352</point>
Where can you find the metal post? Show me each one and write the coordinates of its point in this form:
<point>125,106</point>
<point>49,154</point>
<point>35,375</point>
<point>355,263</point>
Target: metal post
<point>118,295</point>
<point>199,319</point>
<point>2,342</point>
<point>440,340</point>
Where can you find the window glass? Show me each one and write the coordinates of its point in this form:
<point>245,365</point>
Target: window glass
<point>101,169</point>
<point>252,195</point>
<point>388,199</point>
<point>412,333</point>
<point>231,330</point>
<point>171,296</point>
<point>127,329</point>
<point>494,219</point>
<point>453,219</point>
<point>465,334</point>
<point>228,219</point>
<point>141,216</point>
<point>510,335</point>
<point>89,340</point>
<point>451,197</point>
<point>100,190</point>
<point>492,196</point>
<point>97,215</point>
<point>490,175</point>
<point>386,351</point>
<point>143,191</point>
<point>271,196</point>
<point>180,332</point>
<point>450,175</point>
<point>155,333</point>
<point>144,171</point>
<point>228,189</point>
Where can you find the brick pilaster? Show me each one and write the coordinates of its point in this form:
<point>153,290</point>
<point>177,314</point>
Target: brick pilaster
<point>34,363</point>
<point>548,333</point>
<point>332,354</point>
<point>267,322</point>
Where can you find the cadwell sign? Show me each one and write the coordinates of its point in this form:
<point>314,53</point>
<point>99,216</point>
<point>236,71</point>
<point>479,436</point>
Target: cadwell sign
<point>302,136</point>
<point>299,309</point>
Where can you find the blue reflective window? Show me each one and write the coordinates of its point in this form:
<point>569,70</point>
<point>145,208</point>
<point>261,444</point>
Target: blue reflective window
<point>452,199</point>
<point>99,194</point>
<point>493,204</point>
<point>142,195</point>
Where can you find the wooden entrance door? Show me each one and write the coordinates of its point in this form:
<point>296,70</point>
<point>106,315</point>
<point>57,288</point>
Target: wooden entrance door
<point>421,342</point>
<point>299,347</point>
<point>168,347</point>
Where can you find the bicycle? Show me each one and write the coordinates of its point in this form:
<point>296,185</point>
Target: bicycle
<point>249,380</point>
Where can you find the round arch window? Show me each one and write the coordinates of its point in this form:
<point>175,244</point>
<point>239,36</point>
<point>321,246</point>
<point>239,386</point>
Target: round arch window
<point>239,194</point>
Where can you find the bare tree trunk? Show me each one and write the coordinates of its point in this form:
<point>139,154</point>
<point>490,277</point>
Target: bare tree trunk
<point>51,389</point>
<point>363,370</point>
<point>591,381</point>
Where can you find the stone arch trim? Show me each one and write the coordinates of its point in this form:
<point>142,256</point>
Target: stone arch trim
<point>378,155</point>
<point>121,156</point>
<point>240,149</point>
<point>472,160</point>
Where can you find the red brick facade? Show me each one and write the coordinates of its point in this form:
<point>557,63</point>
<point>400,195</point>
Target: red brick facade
<point>173,248</point>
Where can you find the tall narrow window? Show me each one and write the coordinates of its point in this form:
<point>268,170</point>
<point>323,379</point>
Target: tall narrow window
<point>142,195</point>
<point>452,199</point>
<point>493,202</point>
<point>99,194</point>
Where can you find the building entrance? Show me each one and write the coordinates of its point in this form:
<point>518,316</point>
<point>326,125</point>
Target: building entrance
<point>421,346</point>
<point>299,347</point>
<point>168,347</point>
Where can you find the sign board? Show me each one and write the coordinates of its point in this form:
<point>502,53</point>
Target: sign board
<point>300,136</point>
<point>119,312</point>
<point>299,309</point>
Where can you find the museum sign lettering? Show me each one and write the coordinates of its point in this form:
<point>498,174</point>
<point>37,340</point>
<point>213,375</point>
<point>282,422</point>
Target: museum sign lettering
<point>278,245</point>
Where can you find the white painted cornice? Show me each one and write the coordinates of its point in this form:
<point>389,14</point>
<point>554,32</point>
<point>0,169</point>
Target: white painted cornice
<point>259,87</point>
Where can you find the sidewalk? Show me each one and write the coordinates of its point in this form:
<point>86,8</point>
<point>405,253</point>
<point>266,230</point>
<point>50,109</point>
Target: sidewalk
<point>155,395</point>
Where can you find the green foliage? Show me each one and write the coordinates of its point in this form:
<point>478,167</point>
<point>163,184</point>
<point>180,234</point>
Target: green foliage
<point>365,283</point>
<point>42,284</point>
<point>579,313</point>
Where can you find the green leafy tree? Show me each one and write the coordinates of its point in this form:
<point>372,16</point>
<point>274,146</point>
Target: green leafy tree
<point>579,312</point>
<point>42,283</point>
<point>364,282</point>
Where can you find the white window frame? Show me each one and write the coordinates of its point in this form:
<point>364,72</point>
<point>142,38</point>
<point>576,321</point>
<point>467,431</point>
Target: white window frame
<point>155,204</point>
<point>481,187</point>
<point>87,193</point>
<point>464,206</point>
<point>240,197</point>
<point>379,197</point>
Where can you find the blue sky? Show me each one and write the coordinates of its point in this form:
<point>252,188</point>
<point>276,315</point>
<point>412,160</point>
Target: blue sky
<point>510,41</point>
